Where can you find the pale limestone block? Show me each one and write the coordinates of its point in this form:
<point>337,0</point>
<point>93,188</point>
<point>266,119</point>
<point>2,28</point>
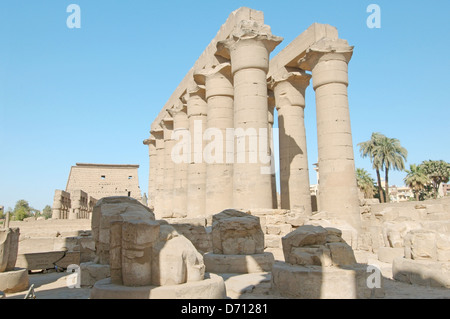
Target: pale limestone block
<point>239,264</point>
<point>303,236</point>
<point>420,244</point>
<point>175,259</point>
<point>388,254</point>
<point>110,209</point>
<point>237,233</point>
<point>9,245</point>
<point>422,272</point>
<point>443,247</point>
<point>341,254</point>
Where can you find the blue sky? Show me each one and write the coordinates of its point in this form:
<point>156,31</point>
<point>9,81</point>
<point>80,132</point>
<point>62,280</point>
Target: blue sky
<point>89,95</point>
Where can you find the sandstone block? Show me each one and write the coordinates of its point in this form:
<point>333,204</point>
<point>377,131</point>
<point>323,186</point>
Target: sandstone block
<point>341,254</point>
<point>315,282</point>
<point>303,236</point>
<point>92,272</point>
<point>388,254</point>
<point>422,272</point>
<point>237,233</point>
<point>108,210</point>
<point>175,259</point>
<point>9,245</point>
<point>238,264</point>
<point>421,245</point>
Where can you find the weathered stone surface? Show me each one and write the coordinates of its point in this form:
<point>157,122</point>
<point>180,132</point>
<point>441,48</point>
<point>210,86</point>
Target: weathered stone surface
<point>303,236</point>
<point>212,287</point>
<point>341,254</point>
<point>237,233</point>
<point>317,246</point>
<point>443,247</point>
<point>238,264</point>
<point>92,272</point>
<point>131,251</point>
<point>388,254</point>
<point>395,232</point>
<point>15,280</point>
<point>349,233</point>
<point>422,272</point>
<point>48,260</point>
<point>9,245</point>
<point>175,259</point>
<point>315,282</point>
<point>110,209</point>
<point>421,245</point>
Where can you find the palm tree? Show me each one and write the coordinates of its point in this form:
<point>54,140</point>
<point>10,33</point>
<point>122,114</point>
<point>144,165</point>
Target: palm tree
<point>365,182</point>
<point>392,155</point>
<point>416,179</point>
<point>369,149</point>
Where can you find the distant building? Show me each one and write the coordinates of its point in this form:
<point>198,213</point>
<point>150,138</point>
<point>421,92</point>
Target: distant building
<point>400,194</point>
<point>105,180</point>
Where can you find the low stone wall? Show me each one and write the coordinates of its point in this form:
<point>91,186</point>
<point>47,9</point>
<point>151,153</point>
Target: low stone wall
<point>386,225</point>
<point>46,244</point>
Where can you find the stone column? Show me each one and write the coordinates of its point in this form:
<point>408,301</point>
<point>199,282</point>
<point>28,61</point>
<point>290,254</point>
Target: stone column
<point>151,142</point>
<point>167,125</point>
<point>328,60</point>
<point>181,159</point>
<point>289,87</point>
<point>197,109</point>
<point>249,47</point>
<point>159,175</point>
<point>271,119</point>
<point>219,171</point>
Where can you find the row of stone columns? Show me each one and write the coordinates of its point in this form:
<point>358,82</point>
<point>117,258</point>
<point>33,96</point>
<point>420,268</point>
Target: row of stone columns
<point>236,94</point>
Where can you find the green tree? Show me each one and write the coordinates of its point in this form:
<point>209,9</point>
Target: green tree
<point>416,179</point>
<point>392,156</point>
<point>365,182</point>
<point>369,149</point>
<point>22,210</point>
<point>438,172</point>
<point>47,212</point>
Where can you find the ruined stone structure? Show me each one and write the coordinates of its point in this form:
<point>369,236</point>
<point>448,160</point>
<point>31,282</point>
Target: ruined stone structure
<point>75,205</point>
<point>238,244</point>
<point>210,147</point>
<point>12,279</point>
<point>104,180</point>
<point>143,258</point>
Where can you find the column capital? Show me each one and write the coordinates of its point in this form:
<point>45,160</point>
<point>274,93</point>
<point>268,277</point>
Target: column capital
<point>249,46</point>
<point>289,85</point>
<point>297,77</point>
<point>217,80</point>
<point>326,50</point>
<point>178,107</point>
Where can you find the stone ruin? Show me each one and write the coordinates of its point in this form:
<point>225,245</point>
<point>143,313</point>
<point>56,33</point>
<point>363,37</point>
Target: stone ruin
<point>139,257</point>
<point>75,205</point>
<point>12,279</point>
<point>321,265</point>
<point>238,244</point>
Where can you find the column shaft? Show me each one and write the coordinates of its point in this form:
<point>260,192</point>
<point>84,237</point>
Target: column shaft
<point>197,109</point>
<point>249,47</point>
<point>294,173</point>
<point>159,175</point>
<point>167,125</point>
<point>180,184</point>
<point>219,173</point>
<point>338,192</point>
